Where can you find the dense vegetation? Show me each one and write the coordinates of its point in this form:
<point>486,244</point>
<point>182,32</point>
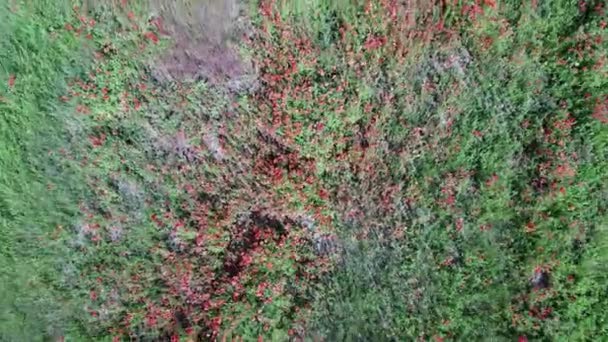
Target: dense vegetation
<point>354,170</point>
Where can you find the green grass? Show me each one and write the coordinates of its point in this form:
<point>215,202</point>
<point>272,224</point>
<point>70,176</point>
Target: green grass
<point>450,159</point>
<point>31,125</point>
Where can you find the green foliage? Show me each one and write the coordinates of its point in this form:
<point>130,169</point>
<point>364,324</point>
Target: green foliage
<point>34,62</point>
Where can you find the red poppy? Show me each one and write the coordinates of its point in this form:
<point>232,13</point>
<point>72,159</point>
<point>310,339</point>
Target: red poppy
<point>323,194</point>
<point>600,111</point>
<point>374,42</point>
<point>459,224</point>
<point>215,324</point>
<point>530,227</point>
<point>246,260</point>
<point>492,180</point>
<point>11,80</point>
<point>97,141</point>
<point>151,319</point>
<point>151,36</point>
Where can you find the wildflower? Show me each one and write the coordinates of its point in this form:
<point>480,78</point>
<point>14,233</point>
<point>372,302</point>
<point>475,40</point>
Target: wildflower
<point>530,227</point>
<point>450,200</point>
<point>215,324</point>
<point>158,23</point>
<point>323,194</point>
<point>485,227</point>
<point>492,180</point>
<point>582,6</point>
<point>11,80</point>
<point>449,261</point>
<point>246,260</point>
<point>97,141</point>
<point>565,170</point>
<point>374,42</point>
<point>545,313</point>
<point>459,224</point>
<point>151,36</point>
<point>83,109</point>
<point>472,10</point>
<point>151,319</point>
<point>261,289</point>
<point>600,111</point>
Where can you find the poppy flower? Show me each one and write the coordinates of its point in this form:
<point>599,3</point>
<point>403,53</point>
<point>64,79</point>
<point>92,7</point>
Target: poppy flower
<point>151,36</point>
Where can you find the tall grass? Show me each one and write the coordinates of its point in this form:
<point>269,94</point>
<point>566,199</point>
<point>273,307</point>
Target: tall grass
<point>34,62</point>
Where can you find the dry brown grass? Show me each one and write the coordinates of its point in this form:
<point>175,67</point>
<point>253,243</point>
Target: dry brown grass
<point>212,21</point>
<point>204,32</point>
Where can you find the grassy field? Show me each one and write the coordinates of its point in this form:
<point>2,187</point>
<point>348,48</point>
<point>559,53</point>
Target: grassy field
<point>303,170</point>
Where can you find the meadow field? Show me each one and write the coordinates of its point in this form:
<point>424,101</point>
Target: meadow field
<point>303,170</point>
